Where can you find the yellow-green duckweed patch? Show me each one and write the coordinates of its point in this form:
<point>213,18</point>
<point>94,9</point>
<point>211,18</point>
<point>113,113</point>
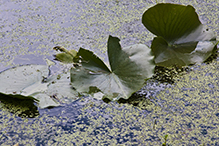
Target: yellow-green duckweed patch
<point>187,110</point>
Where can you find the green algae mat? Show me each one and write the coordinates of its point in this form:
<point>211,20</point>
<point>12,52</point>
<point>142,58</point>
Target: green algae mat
<point>183,112</point>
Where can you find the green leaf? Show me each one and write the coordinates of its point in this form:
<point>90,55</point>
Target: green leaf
<point>130,66</point>
<point>15,80</point>
<point>32,82</point>
<point>181,54</point>
<point>62,89</point>
<point>182,39</point>
<point>66,56</point>
<point>25,82</point>
<point>92,62</point>
<point>171,21</point>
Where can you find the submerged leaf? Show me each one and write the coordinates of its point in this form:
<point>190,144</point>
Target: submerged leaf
<point>182,39</point>
<point>130,66</point>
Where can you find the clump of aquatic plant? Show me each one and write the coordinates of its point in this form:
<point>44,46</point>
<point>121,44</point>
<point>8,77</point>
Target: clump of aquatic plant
<point>181,38</point>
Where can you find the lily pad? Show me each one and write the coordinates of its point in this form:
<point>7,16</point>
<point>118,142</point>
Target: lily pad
<point>61,88</point>
<point>14,81</point>
<point>181,38</point>
<point>130,67</point>
<point>31,82</point>
<point>26,82</point>
<point>181,54</point>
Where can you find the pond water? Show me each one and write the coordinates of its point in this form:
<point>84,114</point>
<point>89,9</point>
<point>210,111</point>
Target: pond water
<point>186,110</point>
